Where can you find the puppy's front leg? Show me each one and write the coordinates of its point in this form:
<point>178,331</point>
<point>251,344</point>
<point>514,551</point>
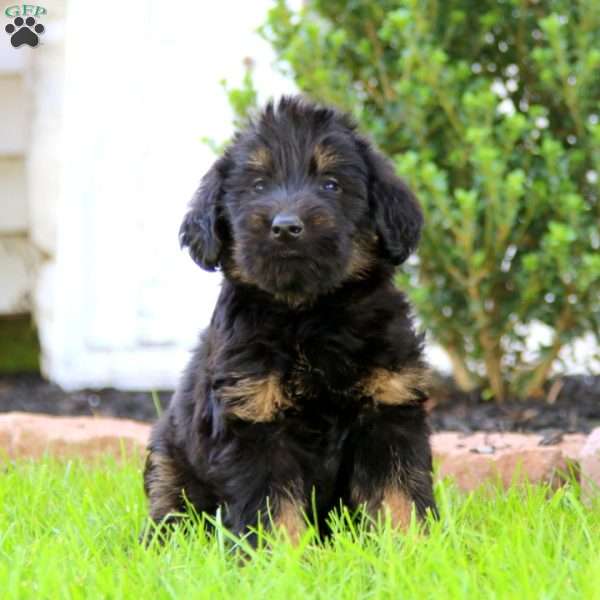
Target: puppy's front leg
<point>392,464</point>
<point>263,479</point>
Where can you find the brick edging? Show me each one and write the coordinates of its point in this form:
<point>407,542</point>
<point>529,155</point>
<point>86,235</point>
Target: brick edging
<point>470,459</point>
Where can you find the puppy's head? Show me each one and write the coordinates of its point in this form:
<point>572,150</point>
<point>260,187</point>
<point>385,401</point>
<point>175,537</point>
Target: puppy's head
<point>300,203</point>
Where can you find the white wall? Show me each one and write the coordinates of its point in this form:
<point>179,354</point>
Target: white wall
<point>18,259</point>
<point>120,304</point>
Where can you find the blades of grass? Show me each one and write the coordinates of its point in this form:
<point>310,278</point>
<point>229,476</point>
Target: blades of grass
<point>223,534</point>
<point>68,529</point>
<point>157,404</point>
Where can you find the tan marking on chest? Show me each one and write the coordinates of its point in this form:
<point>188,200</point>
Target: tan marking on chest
<point>255,399</point>
<point>396,387</point>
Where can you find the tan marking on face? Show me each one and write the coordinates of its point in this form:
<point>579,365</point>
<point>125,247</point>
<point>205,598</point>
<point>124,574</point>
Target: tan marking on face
<point>232,268</point>
<point>290,519</point>
<point>257,220</point>
<point>162,485</point>
<point>322,220</point>
<point>325,158</point>
<point>235,273</point>
<point>361,261</point>
<point>395,388</point>
<point>260,159</point>
<point>257,400</point>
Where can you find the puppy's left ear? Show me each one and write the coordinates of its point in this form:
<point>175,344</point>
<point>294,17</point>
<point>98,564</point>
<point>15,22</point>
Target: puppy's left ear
<point>202,228</point>
<point>396,212</point>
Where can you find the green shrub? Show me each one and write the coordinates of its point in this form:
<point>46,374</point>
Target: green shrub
<point>491,111</point>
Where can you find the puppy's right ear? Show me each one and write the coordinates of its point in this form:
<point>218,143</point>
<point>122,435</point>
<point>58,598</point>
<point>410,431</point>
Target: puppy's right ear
<point>199,231</point>
<point>396,212</point>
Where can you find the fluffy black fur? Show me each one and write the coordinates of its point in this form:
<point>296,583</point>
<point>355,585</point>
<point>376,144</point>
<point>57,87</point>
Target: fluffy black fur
<point>309,378</point>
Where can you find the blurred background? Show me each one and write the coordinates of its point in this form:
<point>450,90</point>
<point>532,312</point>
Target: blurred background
<point>490,110</point>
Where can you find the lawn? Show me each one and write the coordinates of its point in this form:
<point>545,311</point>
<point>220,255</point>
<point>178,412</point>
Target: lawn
<point>70,531</point>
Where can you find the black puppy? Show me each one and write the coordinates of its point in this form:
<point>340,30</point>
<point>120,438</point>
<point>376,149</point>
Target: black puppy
<point>310,378</point>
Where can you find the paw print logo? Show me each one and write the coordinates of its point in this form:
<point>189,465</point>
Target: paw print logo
<point>24,32</point>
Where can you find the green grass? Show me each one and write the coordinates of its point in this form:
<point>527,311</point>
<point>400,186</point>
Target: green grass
<point>19,345</point>
<point>70,531</point>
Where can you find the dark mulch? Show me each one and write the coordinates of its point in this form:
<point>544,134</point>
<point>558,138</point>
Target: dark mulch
<point>571,404</point>
<point>575,405</point>
<point>31,393</point>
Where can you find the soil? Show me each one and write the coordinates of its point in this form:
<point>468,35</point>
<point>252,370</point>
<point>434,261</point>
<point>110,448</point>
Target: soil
<point>572,404</point>
<point>31,393</point>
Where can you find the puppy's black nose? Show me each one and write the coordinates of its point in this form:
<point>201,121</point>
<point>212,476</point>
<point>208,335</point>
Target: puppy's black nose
<point>287,227</point>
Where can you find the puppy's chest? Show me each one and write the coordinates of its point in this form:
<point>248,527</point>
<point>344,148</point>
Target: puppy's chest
<point>318,387</point>
<point>315,371</point>
<point>325,377</point>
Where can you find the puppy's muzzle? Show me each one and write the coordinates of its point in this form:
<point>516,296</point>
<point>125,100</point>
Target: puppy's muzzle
<point>286,227</point>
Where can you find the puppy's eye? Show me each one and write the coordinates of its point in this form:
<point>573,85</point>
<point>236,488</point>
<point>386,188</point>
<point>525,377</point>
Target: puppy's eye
<point>330,185</point>
<point>258,185</point>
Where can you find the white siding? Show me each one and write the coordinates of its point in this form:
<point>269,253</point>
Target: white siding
<point>13,216</point>
<point>121,304</point>
<point>13,124</point>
